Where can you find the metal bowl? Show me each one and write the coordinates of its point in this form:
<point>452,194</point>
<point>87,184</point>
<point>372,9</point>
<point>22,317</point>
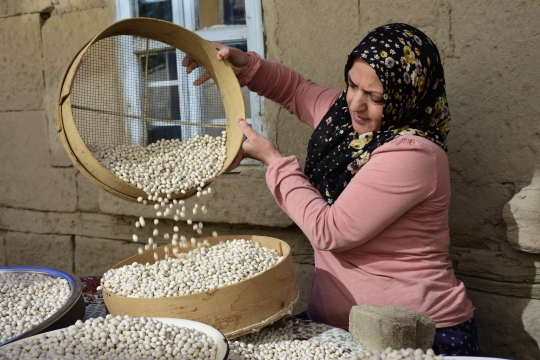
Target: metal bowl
<point>67,315</point>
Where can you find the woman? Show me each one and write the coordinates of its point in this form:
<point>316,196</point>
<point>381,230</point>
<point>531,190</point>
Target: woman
<point>374,196</point>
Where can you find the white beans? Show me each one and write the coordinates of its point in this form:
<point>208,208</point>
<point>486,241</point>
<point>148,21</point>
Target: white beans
<point>288,343</point>
<point>28,299</point>
<point>162,169</point>
<point>393,354</point>
<point>282,343</point>
<point>170,209</point>
<point>166,166</point>
<point>205,269</point>
<point>117,338</point>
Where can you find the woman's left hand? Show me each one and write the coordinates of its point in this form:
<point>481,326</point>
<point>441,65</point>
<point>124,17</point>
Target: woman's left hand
<point>255,146</point>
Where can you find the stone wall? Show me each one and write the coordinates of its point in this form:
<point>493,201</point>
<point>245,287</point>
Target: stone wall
<point>52,215</point>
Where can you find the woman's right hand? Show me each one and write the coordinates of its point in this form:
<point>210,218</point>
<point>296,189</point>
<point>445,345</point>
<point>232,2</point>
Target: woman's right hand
<point>255,146</point>
<point>239,61</point>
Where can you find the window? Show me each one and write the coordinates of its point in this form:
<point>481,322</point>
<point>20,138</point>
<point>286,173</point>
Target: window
<point>237,23</point>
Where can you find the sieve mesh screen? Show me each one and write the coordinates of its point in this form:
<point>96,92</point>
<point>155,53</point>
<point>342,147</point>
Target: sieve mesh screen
<point>130,90</point>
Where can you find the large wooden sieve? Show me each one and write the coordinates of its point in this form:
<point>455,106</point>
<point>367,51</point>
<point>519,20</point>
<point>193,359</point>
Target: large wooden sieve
<point>114,92</point>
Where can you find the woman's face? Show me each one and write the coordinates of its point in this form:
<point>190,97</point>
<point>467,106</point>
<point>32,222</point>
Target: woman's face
<point>365,97</point>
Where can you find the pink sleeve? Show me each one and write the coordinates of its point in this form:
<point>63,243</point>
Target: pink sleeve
<point>281,84</point>
<point>383,190</point>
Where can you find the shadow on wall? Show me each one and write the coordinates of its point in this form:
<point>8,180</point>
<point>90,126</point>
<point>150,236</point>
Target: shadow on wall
<point>508,311</point>
<point>501,326</point>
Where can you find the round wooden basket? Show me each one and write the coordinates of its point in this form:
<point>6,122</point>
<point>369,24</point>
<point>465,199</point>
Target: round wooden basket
<point>235,310</point>
<point>176,37</point>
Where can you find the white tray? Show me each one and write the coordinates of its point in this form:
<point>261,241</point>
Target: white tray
<point>471,358</point>
<point>221,341</point>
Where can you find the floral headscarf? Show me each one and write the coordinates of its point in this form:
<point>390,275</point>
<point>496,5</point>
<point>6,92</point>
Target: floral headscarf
<point>408,64</point>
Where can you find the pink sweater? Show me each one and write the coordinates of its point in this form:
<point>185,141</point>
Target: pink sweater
<point>385,239</point>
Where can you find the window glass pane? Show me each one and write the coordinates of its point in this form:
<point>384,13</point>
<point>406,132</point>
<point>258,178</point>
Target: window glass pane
<point>161,66</point>
<point>157,9</point>
<point>171,106</point>
<point>242,45</point>
<point>203,104</point>
<point>221,12</point>
<point>161,97</point>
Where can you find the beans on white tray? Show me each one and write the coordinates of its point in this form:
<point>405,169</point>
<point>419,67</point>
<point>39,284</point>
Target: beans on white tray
<point>204,269</point>
<point>288,343</point>
<point>117,338</point>
<point>281,343</point>
<point>28,299</point>
<point>394,354</point>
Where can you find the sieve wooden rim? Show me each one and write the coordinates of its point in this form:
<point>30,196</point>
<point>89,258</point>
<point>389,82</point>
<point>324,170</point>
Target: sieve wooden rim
<point>177,37</point>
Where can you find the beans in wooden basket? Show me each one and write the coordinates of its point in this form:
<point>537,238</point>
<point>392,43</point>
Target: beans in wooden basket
<point>204,269</point>
<point>28,299</point>
<point>116,338</point>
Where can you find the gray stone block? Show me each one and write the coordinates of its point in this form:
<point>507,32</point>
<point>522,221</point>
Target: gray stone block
<point>10,8</point>
<point>21,72</point>
<point>521,215</point>
<point>3,260</point>
<point>54,251</point>
<point>88,193</point>
<point>378,327</point>
<point>70,26</point>
<point>304,274</point>
<point>94,256</point>
<point>425,327</point>
<point>239,198</point>
<point>28,181</point>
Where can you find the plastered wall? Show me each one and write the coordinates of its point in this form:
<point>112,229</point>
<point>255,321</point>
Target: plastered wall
<point>51,215</point>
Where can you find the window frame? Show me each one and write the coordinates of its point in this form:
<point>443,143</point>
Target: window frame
<point>184,13</point>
